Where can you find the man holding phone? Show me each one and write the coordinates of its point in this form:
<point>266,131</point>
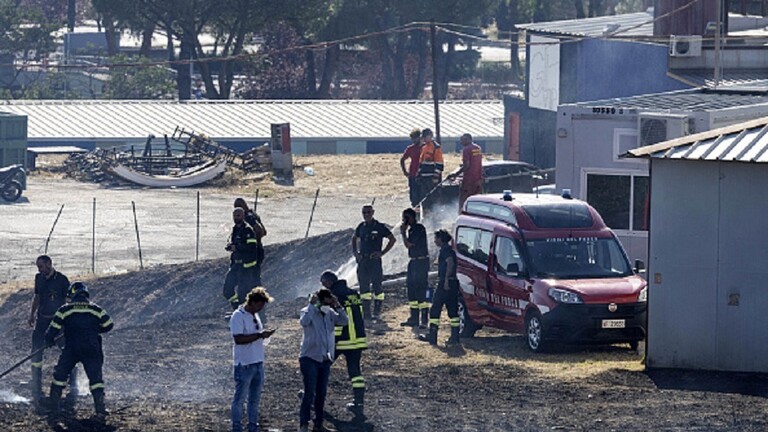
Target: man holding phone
<point>248,353</point>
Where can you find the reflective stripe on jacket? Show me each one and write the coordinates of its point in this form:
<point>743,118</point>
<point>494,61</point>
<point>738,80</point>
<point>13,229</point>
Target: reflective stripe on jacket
<point>352,335</point>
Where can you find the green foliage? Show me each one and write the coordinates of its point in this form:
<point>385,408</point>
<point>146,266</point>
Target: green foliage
<point>140,81</point>
<point>629,6</point>
<point>25,31</point>
<point>495,73</point>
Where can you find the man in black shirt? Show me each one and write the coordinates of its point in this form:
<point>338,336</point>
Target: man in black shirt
<point>50,293</point>
<point>252,219</point>
<point>447,292</point>
<point>370,235</point>
<point>417,279</point>
<point>243,247</point>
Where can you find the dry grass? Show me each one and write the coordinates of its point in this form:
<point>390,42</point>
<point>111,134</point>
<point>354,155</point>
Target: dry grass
<point>496,349</point>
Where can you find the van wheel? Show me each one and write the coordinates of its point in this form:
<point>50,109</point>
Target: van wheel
<point>467,327</point>
<point>534,332</point>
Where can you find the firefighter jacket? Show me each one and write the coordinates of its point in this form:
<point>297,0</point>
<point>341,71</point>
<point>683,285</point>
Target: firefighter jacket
<point>245,246</point>
<point>431,160</point>
<point>352,335</point>
<point>83,323</point>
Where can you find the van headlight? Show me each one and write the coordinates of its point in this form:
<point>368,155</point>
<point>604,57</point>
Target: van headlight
<point>643,296</point>
<point>563,296</point>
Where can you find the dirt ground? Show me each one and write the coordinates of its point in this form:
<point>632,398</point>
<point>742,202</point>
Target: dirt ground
<point>168,361</point>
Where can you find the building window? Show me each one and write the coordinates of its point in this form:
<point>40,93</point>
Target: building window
<point>624,140</point>
<point>622,200</point>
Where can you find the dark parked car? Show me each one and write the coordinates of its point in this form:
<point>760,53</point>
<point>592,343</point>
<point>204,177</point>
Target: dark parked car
<point>499,175</point>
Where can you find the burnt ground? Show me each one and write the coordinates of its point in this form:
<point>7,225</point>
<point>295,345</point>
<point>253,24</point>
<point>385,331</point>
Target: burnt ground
<point>168,367</point>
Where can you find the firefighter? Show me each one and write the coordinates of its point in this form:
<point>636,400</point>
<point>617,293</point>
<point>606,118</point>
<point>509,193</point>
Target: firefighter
<point>254,221</point>
<point>417,279</point>
<point>243,247</point>
<point>83,322</point>
<point>412,152</point>
<point>447,292</point>
<point>370,235</point>
<point>350,338</point>
<point>50,294</point>
<point>430,164</point>
<point>471,168</point>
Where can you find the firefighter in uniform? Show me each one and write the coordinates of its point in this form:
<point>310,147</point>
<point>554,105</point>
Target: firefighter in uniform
<point>417,279</point>
<point>254,221</point>
<point>243,246</point>
<point>50,294</point>
<point>447,292</point>
<point>350,338</point>
<point>83,323</point>
<point>430,164</point>
<point>370,235</point>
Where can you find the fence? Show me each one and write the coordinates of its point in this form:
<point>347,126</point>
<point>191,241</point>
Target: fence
<point>114,231</point>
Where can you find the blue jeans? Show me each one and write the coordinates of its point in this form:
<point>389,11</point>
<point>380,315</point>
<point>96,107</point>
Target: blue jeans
<point>315,387</point>
<point>248,380</point>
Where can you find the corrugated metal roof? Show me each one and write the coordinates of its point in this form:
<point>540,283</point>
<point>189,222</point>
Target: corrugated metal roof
<point>743,142</point>
<point>110,119</point>
<point>686,100</point>
<point>741,78</point>
<point>597,26</point>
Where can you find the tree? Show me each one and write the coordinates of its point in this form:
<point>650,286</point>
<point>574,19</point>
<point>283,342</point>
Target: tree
<point>139,81</point>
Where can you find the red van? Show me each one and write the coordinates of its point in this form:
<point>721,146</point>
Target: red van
<point>547,267</point>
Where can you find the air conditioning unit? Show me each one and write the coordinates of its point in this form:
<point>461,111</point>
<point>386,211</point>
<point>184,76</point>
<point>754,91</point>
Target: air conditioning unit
<point>654,128</point>
<point>684,46</point>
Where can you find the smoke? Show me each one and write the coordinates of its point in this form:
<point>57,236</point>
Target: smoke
<point>396,261</point>
<point>7,396</point>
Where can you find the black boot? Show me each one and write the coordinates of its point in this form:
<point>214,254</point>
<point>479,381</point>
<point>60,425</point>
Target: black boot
<point>413,321</point>
<point>431,337</point>
<point>454,339</point>
<point>54,400</point>
<point>377,309</point>
<point>424,317</point>
<point>357,406</point>
<point>98,402</point>
<point>71,400</point>
<point>367,309</point>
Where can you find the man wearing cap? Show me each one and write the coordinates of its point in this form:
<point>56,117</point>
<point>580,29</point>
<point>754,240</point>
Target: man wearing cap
<point>50,294</point>
<point>412,152</point>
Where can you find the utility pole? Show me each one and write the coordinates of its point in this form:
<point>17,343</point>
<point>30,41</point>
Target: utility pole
<point>435,96</point>
<point>718,41</point>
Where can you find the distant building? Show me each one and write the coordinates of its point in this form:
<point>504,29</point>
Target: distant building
<point>706,273</point>
<point>615,56</point>
<point>13,139</point>
<point>317,126</point>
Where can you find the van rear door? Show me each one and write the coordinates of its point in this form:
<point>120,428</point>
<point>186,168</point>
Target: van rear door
<point>473,247</point>
<point>506,273</point>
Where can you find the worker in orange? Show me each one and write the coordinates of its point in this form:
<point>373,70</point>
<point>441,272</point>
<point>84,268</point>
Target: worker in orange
<point>471,169</point>
<point>430,163</point>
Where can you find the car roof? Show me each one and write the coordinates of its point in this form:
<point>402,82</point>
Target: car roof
<point>524,205</point>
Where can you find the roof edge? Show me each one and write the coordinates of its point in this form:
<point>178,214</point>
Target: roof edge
<point>647,151</point>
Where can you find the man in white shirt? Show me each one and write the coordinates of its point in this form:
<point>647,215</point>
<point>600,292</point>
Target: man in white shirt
<point>248,354</point>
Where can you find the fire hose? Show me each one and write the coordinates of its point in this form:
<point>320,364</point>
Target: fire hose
<point>27,358</point>
<point>437,186</point>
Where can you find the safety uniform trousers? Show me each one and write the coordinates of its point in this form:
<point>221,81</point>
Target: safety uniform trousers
<point>353,358</point>
<point>467,190</point>
<point>417,285</point>
<point>239,281</point>
<point>370,275</point>
<point>92,359</point>
<point>38,342</point>
<point>449,298</point>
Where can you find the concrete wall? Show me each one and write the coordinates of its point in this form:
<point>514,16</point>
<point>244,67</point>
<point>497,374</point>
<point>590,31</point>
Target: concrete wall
<point>707,273</point>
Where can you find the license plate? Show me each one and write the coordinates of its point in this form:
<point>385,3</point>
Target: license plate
<point>614,324</point>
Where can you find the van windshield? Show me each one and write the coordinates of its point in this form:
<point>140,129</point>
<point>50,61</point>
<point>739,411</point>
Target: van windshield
<point>577,258</point>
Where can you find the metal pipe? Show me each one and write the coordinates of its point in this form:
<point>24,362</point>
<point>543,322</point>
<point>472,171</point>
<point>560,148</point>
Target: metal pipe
<point>312,213</point>
<point>435,91</point>
<point>138,239</point>
<point>47,240</point>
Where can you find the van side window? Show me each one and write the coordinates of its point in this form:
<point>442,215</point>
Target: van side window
<point>474,243</point>
<point>508,259</point>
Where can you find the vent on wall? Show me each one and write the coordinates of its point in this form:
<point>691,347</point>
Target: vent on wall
<point>684,46</point>
<point>656,128</point>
